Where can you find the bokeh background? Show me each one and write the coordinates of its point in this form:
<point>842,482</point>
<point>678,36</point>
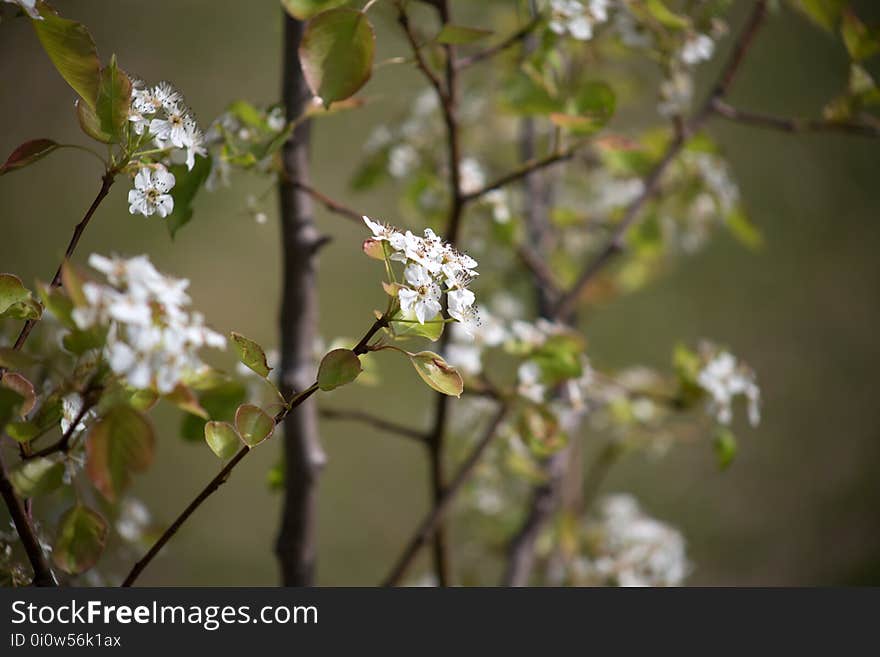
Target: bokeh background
<point>801,506</point>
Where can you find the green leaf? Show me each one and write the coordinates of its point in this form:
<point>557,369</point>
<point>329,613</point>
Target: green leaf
<point>222,438</point>
<point>437,373</point>
<point>58,303</point>
<point>220,401</point>
<point>10,402</point>
<point>79,341</point>
<point>22,432</point>
<point>725,447</point>
<point>824,13</point>
<point>28,153</point>
<point>72,51</point>
<point>118,444</point>
<point>114,98</point>
<point>559,358</point>
<point>529,95</point>
<point>459,34</point>
<point>90,123</point>
<point>37,477</point>
<point>412,329</point>
<point>861,42</point>
<point>254,425</point>
<point>82,534</point>
<point>12,291</point>
<point>251,354</point>
<point>595,101</point>
<point>665,16</point>
<point>305,9</point>
<point>539,429</point>
<point>186,185</point>
<point>336,53</point>
<point>27,309</point>
<point>741,227</point>
<point>337,368</point>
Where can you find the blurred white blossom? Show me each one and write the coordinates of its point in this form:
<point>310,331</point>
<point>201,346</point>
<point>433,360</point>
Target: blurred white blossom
<point>724,379</point>
<point>152,341</point>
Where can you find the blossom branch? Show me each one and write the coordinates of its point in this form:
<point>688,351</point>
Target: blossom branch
<point>652,181</point>
<point>43,575</point>
<point>793,125</point>
<point>512,40</point>
<point>432,522</point>
<point>373,421</point>
<point>296,401</point>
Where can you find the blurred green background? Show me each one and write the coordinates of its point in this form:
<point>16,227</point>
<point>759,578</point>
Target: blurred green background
<point>801,506</point>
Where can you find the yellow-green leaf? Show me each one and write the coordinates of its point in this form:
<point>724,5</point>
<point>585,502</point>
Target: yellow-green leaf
<point>72,51</point>
<point>254,425</point>
<point>37,477</point>
<point>251,354</point>
<point>114,98</point>
<point>437,373</point>
<point>338,367</point>
<point>459,34</point>
<point>222,438</point>
<point>305,9</point>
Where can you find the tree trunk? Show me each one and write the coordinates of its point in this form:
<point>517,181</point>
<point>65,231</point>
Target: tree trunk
<point>303,456</point>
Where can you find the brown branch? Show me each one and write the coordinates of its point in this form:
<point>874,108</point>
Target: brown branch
<point>63,443</point>
<point>106,183</point>
<point>329,203</point>
<point>377,422</point>
<point>524,170</point>
<point>43,575</point>
<point>296,401</point>
<point>304,458</point>
<point>448,99</point>
<point>432,522</point>
<point>491,51</point>
<point>615,244</point>
<point>792,125</point>
<point>542,274</point>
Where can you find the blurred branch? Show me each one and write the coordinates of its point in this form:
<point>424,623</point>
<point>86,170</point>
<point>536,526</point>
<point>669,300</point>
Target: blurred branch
<point>295,402</point>
<point>432,522</point>
<point>43,575</point>
<point>491,51</point>
<point>793,125</point>
<point>447,97</point>
<point>373,421</point>
<point>652,181</point>
<point>523,171</point>
<point>542,274</point>
<point>330,204</point>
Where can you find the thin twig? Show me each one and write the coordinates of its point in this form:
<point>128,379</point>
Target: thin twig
<point>524,170</point>
<point>215,483</point>
<point>331,204</point>
<point>43,575</point>
<point>106,183</point>
<point>435,516</point>
<point>491,51</point>
<point>615,244</point>
<point>374,421</point>
<point>793,125</point>
<point>63,443</point>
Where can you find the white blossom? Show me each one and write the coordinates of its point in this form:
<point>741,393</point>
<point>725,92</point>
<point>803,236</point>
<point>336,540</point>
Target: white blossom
<point>724,379</point>
<point>577,17</point>
<point>152,340</point>
<point>134,518</point>
<point>472,176</point>
<point>430,266</point>
<point>697,48</point>
<point>676,94</point>
<point>29,7</point>
<point>150,194</point>
<point>629,548</point>
<point>402,158</point>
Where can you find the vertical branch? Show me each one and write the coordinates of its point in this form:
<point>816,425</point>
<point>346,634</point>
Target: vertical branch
<point>43,575</point>
<point>303,456</point>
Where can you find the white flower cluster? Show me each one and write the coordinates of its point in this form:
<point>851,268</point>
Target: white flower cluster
<point>161,113</point>
<point>629,548</point>
<point>724,379</point>
<point>152,341</point>
<point>29,7</point>
<point>431,267</point>
<point>577,17</point>
<point>677,90</point>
